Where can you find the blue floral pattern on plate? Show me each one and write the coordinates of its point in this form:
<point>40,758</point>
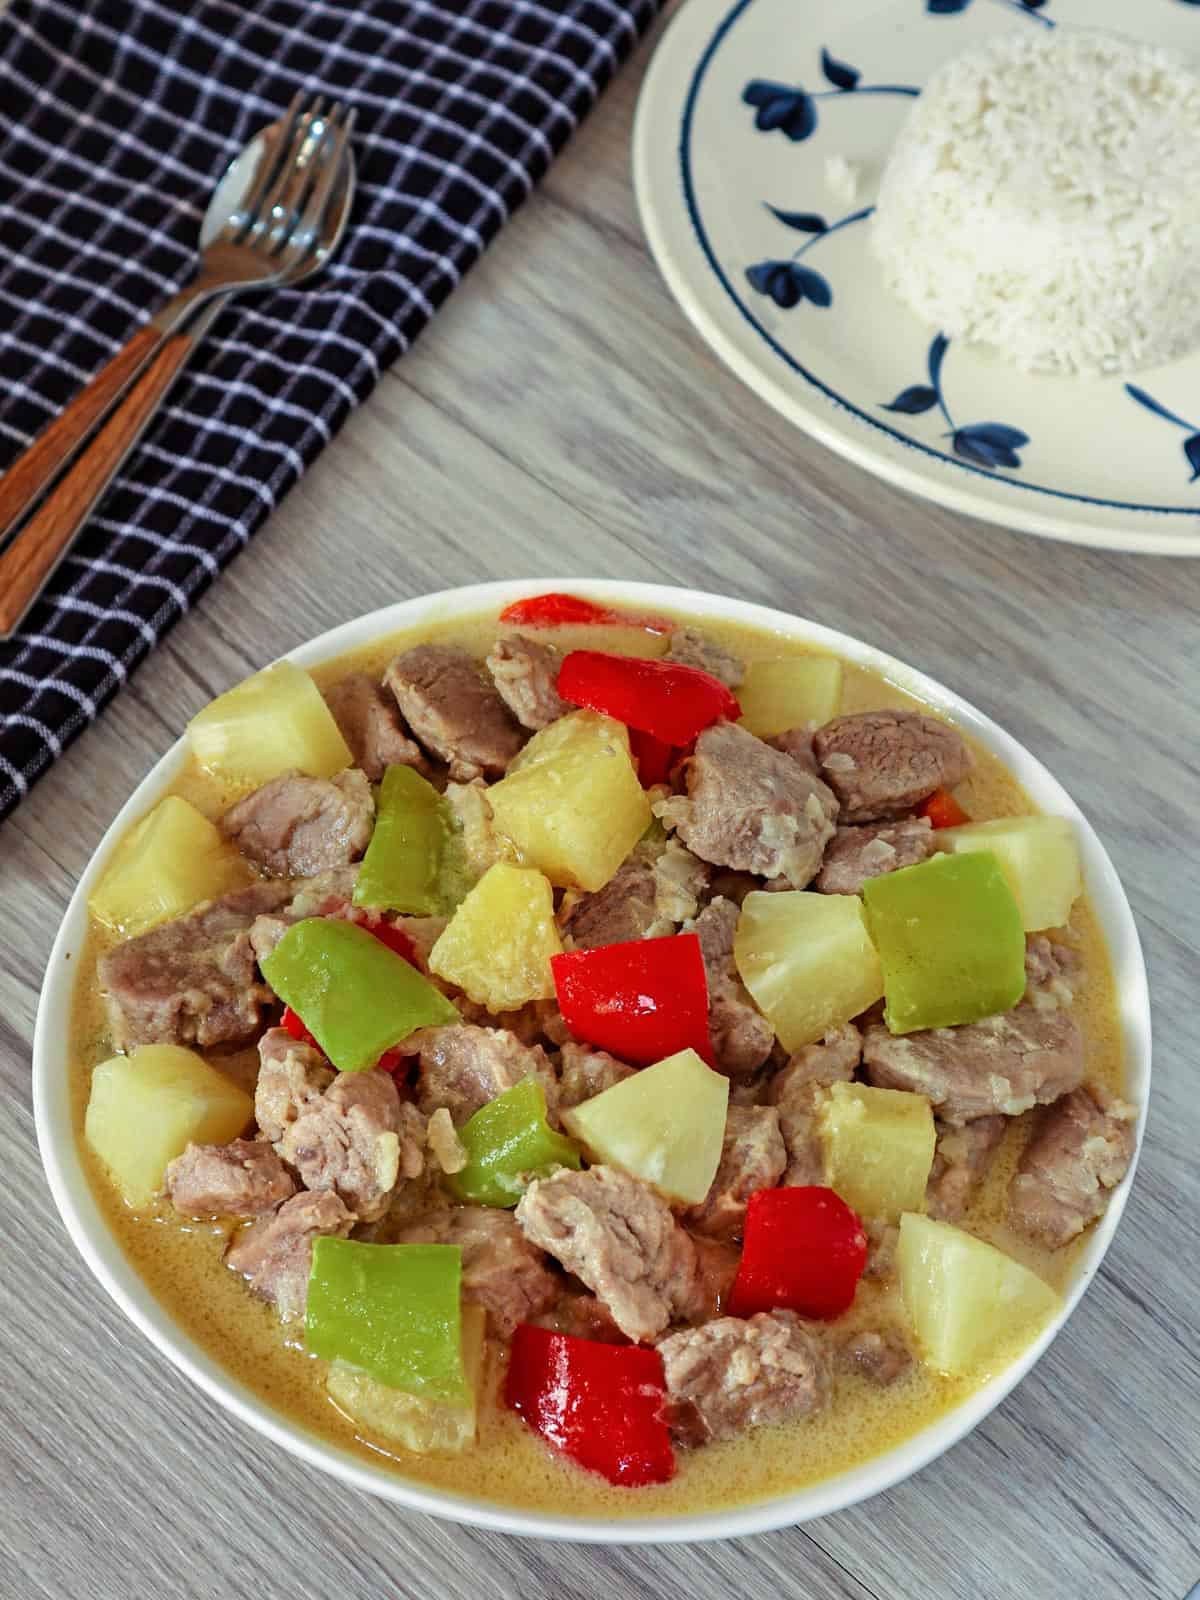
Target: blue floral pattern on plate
<point>786,281</point>
<point>1031,8</point>
<point>987,444</point>
<point>1191,445</point>
<point>793,109</point>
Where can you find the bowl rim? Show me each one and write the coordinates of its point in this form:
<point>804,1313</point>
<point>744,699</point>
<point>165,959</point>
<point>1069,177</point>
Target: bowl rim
<point>98,1246</point>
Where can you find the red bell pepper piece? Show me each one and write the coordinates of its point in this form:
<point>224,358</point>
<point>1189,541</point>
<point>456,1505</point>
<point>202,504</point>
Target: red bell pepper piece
<point>600,1404</point>
<point>671,701</point>
<point>641,1001</point>
<point>944,811</point>
<point>654,758</point>
<point>291,1023</point>
<point>400,944</point>
<point>397,941</point>
<point>558,610</point>
<point>803,1249</point>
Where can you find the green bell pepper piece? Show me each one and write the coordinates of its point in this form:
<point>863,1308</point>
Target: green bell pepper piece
<point>508,1141</point>
<point>395,1310</point>
<point>401,870</point>
<point>950,939</point>
<point>354,995</point>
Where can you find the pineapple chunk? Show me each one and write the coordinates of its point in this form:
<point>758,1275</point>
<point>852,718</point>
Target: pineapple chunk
<point>497,945</point>
<point>666,1125</point>
<point>970,1304</point>
<point>778,695</point>
<point>878,1148</point>
<point>271,723</point>
<point>168,862</point>
<point>410,1420</point>
<point>571,801</point>
<point>1038,855</point>
<point>807,960</point>
<point>147,1107</point>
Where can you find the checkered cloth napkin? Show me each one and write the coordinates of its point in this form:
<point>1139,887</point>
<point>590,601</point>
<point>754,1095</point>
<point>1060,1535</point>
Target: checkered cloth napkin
<point>116,117</point>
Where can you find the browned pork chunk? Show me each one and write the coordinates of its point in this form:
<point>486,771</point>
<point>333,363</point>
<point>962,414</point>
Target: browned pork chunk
<point>370,724</point>
<point>1052,972</point>
<point>620,1238</point>
<point>274,1254</point>
<point>357,1140</point>
<point>960,1162</point>
<point>1080,1150</point>
<point>463,1067</point>
<point>193,980</point>
<point>501,1270</point>
<point>730,1375</point>
<point>453,712</point>
<point>742,1038</point>
<point>691,648</point>
<point>292,1077</point>
<point>325,895</point>
<point>752,1157</point>
<point>525,673</point>
<point>297,826</point>
<point>241,1179</point>
<point>797,743</point>
<point>650,894</point>
<point>584,1073</point>
<point>883,763</point>
<point>1009,1063</point>
<point>796,1090</point>
<point>880,1357</point>
<point>751,807</point>
<point>855,854</point>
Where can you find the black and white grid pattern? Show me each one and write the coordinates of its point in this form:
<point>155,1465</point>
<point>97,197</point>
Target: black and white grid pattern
<point>117,117</point>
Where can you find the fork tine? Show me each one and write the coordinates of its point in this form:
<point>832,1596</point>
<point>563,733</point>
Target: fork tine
<point>330,165</point>
<point>300,180</point>
<point>267,171</point>
<point>286,173</point>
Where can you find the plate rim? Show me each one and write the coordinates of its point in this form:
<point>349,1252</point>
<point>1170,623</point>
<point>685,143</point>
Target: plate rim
<point>102,1254</point>
<point>684,53</point>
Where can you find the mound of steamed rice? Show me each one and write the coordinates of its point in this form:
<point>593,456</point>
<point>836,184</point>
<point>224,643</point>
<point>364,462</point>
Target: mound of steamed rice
<point>1044,199</point>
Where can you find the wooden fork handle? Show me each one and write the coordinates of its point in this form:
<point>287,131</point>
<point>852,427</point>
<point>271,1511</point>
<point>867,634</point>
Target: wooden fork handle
<point>34,469</point>
<point>32,556</point>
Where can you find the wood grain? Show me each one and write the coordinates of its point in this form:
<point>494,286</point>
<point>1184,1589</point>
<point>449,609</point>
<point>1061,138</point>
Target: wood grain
<point>30,558</point>
<point>560,418</point>
<point>29,474</point>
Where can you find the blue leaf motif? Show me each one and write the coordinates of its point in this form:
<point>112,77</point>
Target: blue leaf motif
<point>787,283</point>
<point>1191,446</point>
<point>813,286</point>
<point>838,73</point>
<point>1147,400</point>
<point>759,90</point>
<point>946,8</point>
<point>913,401</point>
<point>1036,5</point>
<point>937,354</point>
<point>981,445</point>
<point>998,435</point>
<point>781,106</point>
<point>802,221</point>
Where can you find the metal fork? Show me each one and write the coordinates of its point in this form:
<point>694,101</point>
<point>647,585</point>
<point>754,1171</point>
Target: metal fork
<point>258,245</point>
<point>298,241</point>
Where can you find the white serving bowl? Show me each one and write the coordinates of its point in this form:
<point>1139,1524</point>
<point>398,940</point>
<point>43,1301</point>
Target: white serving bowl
<point>100,1250</point>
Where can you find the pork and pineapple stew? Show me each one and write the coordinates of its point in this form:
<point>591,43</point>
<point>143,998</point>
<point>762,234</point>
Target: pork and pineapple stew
<point>599,1062</point>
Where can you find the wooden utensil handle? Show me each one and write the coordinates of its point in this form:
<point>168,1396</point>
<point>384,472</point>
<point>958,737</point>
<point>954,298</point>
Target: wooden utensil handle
<point>34,469</point>
<point>33,555</point>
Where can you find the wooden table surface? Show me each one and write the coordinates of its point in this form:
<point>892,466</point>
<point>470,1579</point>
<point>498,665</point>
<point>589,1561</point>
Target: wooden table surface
<point>560,417</point>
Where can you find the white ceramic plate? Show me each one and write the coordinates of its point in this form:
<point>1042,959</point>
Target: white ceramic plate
<point>721,198</point>
<point>103,1255</point>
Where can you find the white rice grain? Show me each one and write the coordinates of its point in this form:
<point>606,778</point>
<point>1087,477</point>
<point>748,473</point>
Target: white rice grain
<point>1044,199</point>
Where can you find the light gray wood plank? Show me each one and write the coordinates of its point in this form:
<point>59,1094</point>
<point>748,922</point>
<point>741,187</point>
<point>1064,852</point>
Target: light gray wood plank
<point>560,417</point>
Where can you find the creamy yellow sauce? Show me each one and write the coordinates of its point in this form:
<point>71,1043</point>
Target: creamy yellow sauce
<point>181,1262</point>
